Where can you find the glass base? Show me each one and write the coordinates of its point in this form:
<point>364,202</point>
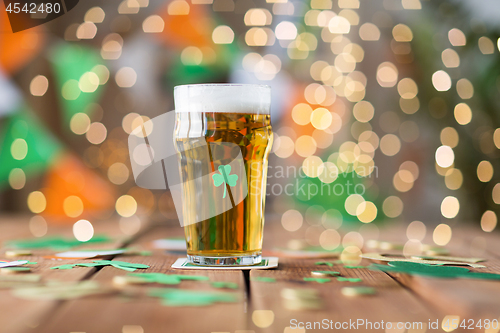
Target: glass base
<point>225,261</point>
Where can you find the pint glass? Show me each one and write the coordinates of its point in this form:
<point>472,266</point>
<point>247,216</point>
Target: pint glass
<point>223,138</point>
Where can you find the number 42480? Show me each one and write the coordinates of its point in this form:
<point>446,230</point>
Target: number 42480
<point>33,8</point>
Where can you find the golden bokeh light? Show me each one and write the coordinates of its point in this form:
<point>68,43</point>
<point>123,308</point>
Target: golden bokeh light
<point>352,202</point>
<point>37,202</point>
<point>442,234</point>
<point>465,89</point>
<point>223,34</point>
<point>73,206</point>
<point>450,58</point>
<point>321,118</point>
<point>407,88</point>
<point>95,15</point>
<point>387,74</point>
<point>390,144</point>
<point>153,24</point>
<point>126,77</point>
<point>126,206</point>
<point>329,173</point>
<point>485,171</point>
<point>96,133</point>
<point>305,146</point>
<point>17,178</point>
<point>486,45</point>
<point>450,206</point>
<point>286,147</point>
<point>463,114</point>
<point>369,32</point>
<point>38,226</point>
<point>363,111</point>
<point>292,220</point>
<point>79,123</point>
<point>130,225</point>
<point>441,81</point>
<point>392,206</point>
<point>312,166</point>
<point>402,33</point>
<point>409,106</point>
<point>71,90</point>
<point>19,149</point>
<point>286,30</point>
<point>83,230</point>
<point>489,221</point>
<point>39,85</point>
<point>444,156</point>
<point>366,211</point>
<point>339,25</point>
<point>178,7</point>
<point>411,4</point>
<point>416,231</point>
<point>89,82</point>
<point>86,30</point>
<point>449,137</point>
<point>456,37</point>
<point>258,17</point>
<point>453,179</point>
<point>263,318</point>
<point>118,173</point>
<point>260,37</point>
<point>329,239</point>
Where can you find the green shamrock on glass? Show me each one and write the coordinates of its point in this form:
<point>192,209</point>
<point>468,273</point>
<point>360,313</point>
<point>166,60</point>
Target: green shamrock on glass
<point>224,177</point>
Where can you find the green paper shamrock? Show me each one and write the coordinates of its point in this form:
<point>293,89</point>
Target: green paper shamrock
<point>126,266</point>
<point>180,297</point>
<point>329,264</point>
<point>56,243</point>
<point>344,279</point>
<point>224,178</point>
<point>167,278</point>
<point>436,271</point>
<point>327,272</point>
<point>353,266</point>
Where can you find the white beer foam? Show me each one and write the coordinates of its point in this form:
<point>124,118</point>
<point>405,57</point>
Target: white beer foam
<point>223,98</point>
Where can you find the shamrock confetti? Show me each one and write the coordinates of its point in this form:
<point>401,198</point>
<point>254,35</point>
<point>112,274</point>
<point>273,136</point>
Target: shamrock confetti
<point>167,278</point>
<point>224,178</point>
<point>344,279</point>
<point>126,266</point>
<point>56,243</point>
<point>179,297</point>
<point>324,263</point>
<point>433,270</point>
<point>319,280</point>
<point>223,284</point>
<point>353,267</point>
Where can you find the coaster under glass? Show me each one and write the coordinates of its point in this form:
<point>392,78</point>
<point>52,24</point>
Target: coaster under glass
<point>225,261</point>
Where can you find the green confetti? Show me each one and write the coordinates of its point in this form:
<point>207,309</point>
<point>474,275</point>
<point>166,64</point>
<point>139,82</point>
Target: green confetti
<point>327,272</point>
<point>126,266</point>
<point>263,279</point>
<point>179,297</point>
<point>319,280</point>
<point>55,243</point>
<point>353,267</point>
<point>167,278</point>
<point>344,279</point>
<point>31,263</point>
<point>436,271</point>
<point>19,269</point>
<point>324,263</point>
<point>223,284</point>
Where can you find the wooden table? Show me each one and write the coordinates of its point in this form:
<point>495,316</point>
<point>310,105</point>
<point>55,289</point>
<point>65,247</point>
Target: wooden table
<point>399,298</point>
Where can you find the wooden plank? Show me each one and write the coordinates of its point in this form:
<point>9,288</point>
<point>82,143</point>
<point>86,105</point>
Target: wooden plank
<point>18,314</point>
<point>469,299</point>
<point>113,313</point>
<point>392,303</point>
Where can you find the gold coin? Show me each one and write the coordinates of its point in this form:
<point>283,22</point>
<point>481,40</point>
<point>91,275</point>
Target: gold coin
<point>17,253</point>
<point>357,291</point>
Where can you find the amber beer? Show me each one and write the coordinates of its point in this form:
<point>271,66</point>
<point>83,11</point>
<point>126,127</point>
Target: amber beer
<point>231,121</point>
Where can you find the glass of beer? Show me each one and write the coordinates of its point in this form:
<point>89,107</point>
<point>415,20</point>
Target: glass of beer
<point>223,138</point>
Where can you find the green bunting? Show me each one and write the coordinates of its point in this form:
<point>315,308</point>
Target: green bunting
<point>74,69</point>
<point>25,144</point>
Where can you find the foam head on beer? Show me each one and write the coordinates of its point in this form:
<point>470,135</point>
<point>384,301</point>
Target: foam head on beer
<point>227,98</point>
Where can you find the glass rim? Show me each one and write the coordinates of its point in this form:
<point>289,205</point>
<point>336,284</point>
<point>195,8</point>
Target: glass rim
<point>223,85</point>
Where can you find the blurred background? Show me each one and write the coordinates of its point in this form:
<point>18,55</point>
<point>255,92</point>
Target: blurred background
<point>383,110</point>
